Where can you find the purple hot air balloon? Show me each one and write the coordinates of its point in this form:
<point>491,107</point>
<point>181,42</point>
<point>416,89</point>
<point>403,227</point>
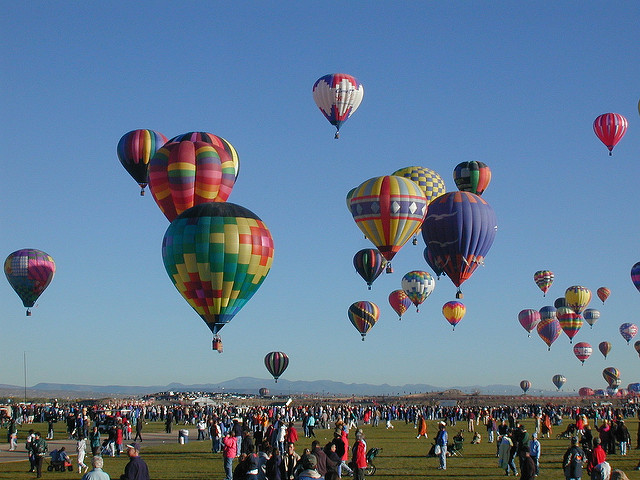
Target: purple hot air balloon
<point>635,275</point>
<point>549,330</point>
<point>628,331</point>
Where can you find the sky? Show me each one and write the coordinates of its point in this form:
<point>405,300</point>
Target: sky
<point>514,85</point>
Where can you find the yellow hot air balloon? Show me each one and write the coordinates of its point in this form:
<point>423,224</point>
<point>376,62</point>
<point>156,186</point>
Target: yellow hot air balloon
<point>577,298</point>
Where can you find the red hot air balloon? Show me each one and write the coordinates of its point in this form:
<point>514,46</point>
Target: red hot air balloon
<point>586,392</point>
<point>603,293</point>
<point>400,302</point>
<point>570,322</point>
<point>610,128</point>
<point>276,363</point>
<point>605,348</point>
<point>582,351</point>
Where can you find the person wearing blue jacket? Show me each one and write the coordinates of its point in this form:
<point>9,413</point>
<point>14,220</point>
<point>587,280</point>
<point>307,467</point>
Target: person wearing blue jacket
<point>441,441</point>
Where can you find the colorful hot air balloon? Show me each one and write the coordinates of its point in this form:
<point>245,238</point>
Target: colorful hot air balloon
<point>549,330</point>
<point>454,312</point>
<point>559,381</point>
<point>472,177</point>
<point>459,230</point>
<point>582,351</point>
<point>547,312</point>
<point>263,392</point>
<point>543,279</point>
<point>217,256</point>
<point>577,298</point>
<point>635,275</point>
<point>634,387</point>
<point>428,257</point>
<point>369,264</point>
<point>603,293</point>
<point>363,316</point>
<point>570,322</point>
<point>628,331</point>
<point>529,319</point>
<point>429,181</point>
<point>612,376</point>
<point>400,302</point>
<point>388,210</point>
<point>636,345</point>
<point>586,392</point>
<point>338,96</point>
<point>605,348</point>
<point>276,363</point>
<point>29,272</point>
<point>591,315</point>
<point>560,302</point>
<point>525,385</point>
<point>135,150</point>
<point>418,285</point>
<point>610,128</point>
<point>191,169</point>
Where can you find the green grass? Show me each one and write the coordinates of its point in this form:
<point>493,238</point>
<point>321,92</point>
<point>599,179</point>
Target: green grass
<point>403,456</point>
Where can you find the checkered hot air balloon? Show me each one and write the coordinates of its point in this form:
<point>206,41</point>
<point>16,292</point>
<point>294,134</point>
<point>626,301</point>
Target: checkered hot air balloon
<point>429,181</point>
<point>276,363</point>
<point>400,302</point>
<point>363,315</point>
<point>418,285</point>
<point>29,272</point>
<point>610,128</point>
<point>135,150</point>
<point>338,96</point>
<point>388,210</point>
<point>217,255</point>
<point>472,177</point>
<point>191,169</point>
<point>582,351</point>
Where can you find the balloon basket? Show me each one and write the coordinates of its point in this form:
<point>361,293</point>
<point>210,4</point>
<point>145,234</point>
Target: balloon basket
<point>459,294</point>
<point>28,313</point>
<point>389,268</point>
<point>337,136</point>
<point>414,241</point>
<point>217,344</point>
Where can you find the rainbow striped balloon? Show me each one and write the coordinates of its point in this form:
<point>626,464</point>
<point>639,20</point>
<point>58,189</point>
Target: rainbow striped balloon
<point>276,363</point>
<point>570,322</point>
<point>135,150</point>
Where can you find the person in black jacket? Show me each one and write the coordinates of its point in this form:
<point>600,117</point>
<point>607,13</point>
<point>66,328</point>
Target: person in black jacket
<point>136,469</point>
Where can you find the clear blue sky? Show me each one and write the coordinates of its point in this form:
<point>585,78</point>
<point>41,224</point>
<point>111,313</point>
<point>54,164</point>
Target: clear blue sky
<point>515,85</point>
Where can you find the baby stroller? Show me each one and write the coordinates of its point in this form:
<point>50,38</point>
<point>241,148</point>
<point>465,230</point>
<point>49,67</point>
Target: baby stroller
<point>371,454</point>
<point>58,464</point>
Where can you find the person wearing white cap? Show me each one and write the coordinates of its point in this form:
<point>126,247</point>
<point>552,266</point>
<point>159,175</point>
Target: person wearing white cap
<point>136,469</point>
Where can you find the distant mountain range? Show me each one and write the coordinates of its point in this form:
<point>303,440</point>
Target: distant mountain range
<point>251,385</point>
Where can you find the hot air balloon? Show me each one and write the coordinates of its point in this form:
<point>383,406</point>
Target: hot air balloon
<point>529,319</point>
<point>560,302</point>
<point>29,272</point>
<point>636,345</point>
<point>634,387</point>
<point>525,385</point>
<point>388,210</point>
<point>547,312</point>
<point>263,392</point>
<point>612,376</point>
<point>276,363</point>
<point>586,392</point>
<point>600,392</point>
<point>577,298</point>
<point>635,275</point>
<point>338,96</point>
<point>369,264</point>
<point>582,351</point>
<point>459,230</point>
<point>543,279</point>
<point>605,348</point>
<point>418,285</point>
<point>400,302</point>
<point>428,257</point>
<point>363,316</point>
<point>191,169</point>
<point>454,312</point>
<point>591,315</point>
<point>217,256</point>
<point>430,182</point>
<point>472,177</point>
<point>549,330</point>
<point>610,128</point>
<point>135,150</point>
<point>603,293</point>
<point>628,331</point>
<point>570,322</point>
<point>559,380</point>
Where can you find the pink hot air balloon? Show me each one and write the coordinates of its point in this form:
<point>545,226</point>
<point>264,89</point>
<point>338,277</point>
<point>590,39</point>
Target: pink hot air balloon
<point>582,351</point>
<point>610,128</point>
<point>529,319</point>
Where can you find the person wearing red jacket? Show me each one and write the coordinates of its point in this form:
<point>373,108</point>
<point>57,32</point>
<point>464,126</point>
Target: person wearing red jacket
<point>359,456</point>
<point>292,434</point>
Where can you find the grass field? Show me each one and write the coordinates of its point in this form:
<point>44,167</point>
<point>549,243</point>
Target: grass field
<point>403,456</point>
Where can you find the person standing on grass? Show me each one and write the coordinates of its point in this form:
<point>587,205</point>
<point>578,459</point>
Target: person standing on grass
<point>94,441</point>
<point>81,450</point>
<point>573,460</point>
<point>534,451</point>
<point>359,456</point>
<point>441,442</point>
<point>139,425</point>
<point>136,469</point>
<point>39,447</point>
<point>97,473</point>
<point>422,427</point>
<point>229,449</point>
<point>527,465</point>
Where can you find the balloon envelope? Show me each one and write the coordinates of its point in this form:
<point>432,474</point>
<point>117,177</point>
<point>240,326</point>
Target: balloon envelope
<point>135,150</point>
<point>636,345</point>
<point>429,181</point>
<point>603,293</point>
<point>459,230</point>
<point>472,177</point>
<point>559,381</point>
<point>628,331</point>
<point>338,96</point>
<point>276,363</point>
<point>428,257</point>
<point>543,279</point>
<point>610,128</point>
<point>29,272</point>
<point>418,285</point>
<point>454,312</point>
<point>217,256</point>
<point>605,348</point>
<point>549,330</point>
<point>577,298</point>
<point>570,321</point>
<point>612,376</point>
<point>363,315</point>
<point>560,302</point>
<point>591,316</point>
<point>525,385</point>
<point>586,392</point>
<point>388,210</point>
<point>635,275</point>
<point>548,312</point>
<point>529,319</point>
<point>369,264</point>
<point>582,351</point>
<point>263,392</point>
<point>400,302</point>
